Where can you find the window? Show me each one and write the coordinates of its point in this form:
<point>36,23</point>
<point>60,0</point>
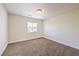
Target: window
<point>32,27</point>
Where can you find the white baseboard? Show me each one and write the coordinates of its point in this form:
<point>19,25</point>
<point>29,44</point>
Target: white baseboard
<point>4,47</point>
<point>23,39</point>
<point>61,42</point>
<point>50,38</point>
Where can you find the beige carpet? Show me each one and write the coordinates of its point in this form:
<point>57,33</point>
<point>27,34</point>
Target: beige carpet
<point>39,47</point>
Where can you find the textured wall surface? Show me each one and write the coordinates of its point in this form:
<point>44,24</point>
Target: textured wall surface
<point>3,29</point>
<point>64,28</point>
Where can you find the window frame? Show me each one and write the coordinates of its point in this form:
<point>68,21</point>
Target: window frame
<point>31,28</point>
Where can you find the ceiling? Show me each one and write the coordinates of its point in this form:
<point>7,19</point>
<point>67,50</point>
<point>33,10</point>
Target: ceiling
<point>49,9</point>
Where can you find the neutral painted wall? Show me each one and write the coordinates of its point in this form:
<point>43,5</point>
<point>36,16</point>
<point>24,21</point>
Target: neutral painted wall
<point>3,29</point>
<point>18,28</point>
<point>64,28</point>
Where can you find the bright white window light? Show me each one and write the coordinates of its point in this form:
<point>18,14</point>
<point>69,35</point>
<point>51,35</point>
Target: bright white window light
<point>32,27</point>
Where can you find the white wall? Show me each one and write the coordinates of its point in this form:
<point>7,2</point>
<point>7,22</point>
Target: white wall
<point>18,28</point>
<point>3,29</point>
<point>64,28</point>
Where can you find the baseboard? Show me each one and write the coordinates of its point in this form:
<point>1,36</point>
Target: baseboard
<point>61,42</point>
<point>24,40</point>
<point>5,46</point>
<point>47,37</point>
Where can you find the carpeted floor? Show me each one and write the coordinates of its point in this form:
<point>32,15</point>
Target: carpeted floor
<point>39,47</point>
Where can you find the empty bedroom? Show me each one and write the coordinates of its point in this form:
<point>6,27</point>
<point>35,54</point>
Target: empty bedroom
<point>39,29</point>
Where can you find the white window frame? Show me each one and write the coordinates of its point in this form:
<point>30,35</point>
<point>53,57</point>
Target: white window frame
<point>30,27</point>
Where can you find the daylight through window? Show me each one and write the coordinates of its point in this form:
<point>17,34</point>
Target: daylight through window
<point>32,27</point>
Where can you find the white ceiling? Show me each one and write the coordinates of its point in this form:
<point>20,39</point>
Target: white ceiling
<point>50,9</point>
